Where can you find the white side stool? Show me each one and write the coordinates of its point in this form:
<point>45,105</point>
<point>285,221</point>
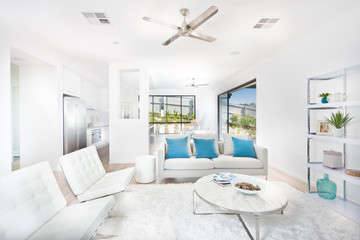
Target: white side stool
<point>145,169</point>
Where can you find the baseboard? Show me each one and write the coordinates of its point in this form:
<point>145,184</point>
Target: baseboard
<point>291,174</point>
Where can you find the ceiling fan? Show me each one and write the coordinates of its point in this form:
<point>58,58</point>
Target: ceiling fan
<point>192,83</point>
<point>187,29</point>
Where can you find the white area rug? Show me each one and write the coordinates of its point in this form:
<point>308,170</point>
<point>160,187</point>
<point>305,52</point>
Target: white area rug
<point>165,212</point>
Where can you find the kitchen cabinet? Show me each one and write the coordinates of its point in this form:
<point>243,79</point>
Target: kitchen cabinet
<point>71,83</point>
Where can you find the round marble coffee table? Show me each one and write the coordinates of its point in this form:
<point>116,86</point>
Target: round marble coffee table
<point>269,201</point>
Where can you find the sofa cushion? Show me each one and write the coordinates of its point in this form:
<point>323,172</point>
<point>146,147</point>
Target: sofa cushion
<point>82,169</point>
<point>243,148</point>
<point>228,142</point>
<point>78,221</point>
<point>177,147</point>
<point>205,148</point>
<point>207,136</point>
<point>226,161</point>
<point>188,163</point>
<point>29,198</point>
<point>170,136</point>
<point>110,183</point>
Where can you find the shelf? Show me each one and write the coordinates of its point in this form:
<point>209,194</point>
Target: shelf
<point>346,208</point>
<point>339,173</point>
<point>333,105</point>
<point>335,139</point>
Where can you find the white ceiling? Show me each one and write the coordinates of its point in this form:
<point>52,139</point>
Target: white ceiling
<point>60,24</point>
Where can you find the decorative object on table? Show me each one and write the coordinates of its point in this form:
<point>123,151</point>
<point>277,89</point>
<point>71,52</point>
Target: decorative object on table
<point>324,97</point>
<point>332,159</point>
<point>323,128</point>
<point>336,97</point>
<point>195,122</point>
<point>243,185</point>
<point>352,172</point>
<point>339,121</point>
<point>223,178</point>
<point>326,188</point>
<point>126,110</point>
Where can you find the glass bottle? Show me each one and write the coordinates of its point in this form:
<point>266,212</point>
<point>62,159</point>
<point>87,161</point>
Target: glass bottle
<point>326,188</point>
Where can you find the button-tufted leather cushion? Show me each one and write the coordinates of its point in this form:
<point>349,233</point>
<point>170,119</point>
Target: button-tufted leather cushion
<point>29,197</point>
<point>82,169</point>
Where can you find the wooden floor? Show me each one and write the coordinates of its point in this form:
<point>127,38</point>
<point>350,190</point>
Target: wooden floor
<point>274,175</point>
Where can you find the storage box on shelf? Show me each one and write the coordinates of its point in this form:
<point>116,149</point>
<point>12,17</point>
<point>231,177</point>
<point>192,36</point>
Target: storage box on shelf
<point>348,209</point>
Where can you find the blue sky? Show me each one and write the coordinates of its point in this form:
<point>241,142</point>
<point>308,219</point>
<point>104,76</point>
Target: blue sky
<point>246,95</point>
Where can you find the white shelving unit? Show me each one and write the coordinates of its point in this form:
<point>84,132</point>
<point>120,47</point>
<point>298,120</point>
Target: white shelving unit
<point>341,205</point>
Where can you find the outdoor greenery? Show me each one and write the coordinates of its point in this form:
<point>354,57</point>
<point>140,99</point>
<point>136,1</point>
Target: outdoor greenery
<point>339,120</point>
<point>245,123</point>
<point>174,116</point>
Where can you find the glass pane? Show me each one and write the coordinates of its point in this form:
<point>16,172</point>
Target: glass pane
<point>159,109</point>
<point>151,113</point>
<point>188,108</point>
<point>222,114</point>
<point>242,111</point>
<point>173,109</point>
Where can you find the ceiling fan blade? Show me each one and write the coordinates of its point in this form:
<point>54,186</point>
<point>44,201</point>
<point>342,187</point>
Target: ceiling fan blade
<point>203,17</point>
<point>161,23</point>
<point>170,40</point>
<point>201,36</point>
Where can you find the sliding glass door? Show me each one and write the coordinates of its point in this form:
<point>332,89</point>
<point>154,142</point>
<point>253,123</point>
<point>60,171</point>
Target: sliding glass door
<point>237,110</point>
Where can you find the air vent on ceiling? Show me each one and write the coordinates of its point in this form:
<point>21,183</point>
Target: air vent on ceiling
<point>96,18</point>
<point>266,23</point>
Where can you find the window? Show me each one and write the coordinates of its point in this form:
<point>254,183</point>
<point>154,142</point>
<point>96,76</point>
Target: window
<point>237,110</point>
<point>171,114</point>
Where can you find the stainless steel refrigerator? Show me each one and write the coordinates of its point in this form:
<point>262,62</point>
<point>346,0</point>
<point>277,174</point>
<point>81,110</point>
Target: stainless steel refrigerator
<point>74,124</point>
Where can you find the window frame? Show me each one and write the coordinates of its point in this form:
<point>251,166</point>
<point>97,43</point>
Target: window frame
<point>166,103</point>
<point>242,86</point>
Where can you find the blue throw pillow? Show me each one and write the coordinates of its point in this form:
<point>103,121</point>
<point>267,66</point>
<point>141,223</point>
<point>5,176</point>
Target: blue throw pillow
<point>205,148</point>
<point>177,147</point>
<point>243,148</point>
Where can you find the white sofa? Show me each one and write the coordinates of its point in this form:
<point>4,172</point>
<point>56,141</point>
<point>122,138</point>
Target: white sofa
<point>33,207</point>
<point>87,178</point>
<point>193,167</point>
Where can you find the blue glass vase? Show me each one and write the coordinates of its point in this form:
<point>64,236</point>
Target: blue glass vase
<point>326,188</point>
<point>324,100</point>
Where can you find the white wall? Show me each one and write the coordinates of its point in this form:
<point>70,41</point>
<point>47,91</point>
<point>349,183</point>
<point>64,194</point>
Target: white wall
<point>39,115</point>
<point>128,137</point>
<point>282,85</point>
<point>206,103</point>
<point>9,41</point>
<point>5,106</point>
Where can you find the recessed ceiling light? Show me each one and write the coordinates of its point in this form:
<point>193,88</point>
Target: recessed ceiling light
<point>234,53</point>
<point>242,45</point>
<point>115,43</point>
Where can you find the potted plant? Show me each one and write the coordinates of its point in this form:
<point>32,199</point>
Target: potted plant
<point>338,121</point>
<point>324,97</point>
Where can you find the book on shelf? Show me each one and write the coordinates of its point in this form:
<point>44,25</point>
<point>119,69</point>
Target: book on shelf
<point>223,178</point>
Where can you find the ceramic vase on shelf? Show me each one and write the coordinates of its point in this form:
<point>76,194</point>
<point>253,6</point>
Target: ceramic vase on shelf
<point>338,132</point>
<point>324,100</point>
<point>326,188</point>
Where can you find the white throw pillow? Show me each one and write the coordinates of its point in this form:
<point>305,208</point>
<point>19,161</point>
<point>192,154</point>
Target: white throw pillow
<point>207,136</point>
<point>171,136</point>
<point>228,142</point>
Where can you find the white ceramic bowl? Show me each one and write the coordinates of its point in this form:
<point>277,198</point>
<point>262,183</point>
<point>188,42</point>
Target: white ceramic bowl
<point>248,180</point>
